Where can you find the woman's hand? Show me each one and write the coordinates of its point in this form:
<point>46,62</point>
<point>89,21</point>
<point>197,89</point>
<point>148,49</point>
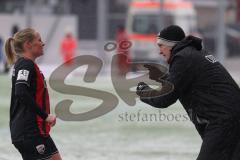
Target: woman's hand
<point>51,119</point>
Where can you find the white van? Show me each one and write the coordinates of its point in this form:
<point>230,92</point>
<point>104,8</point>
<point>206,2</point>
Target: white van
<point>147,17</point>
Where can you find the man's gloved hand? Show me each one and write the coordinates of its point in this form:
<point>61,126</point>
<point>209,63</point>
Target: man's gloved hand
<point>142,89</point>
<point>154,72</point>
<point>145,91</point>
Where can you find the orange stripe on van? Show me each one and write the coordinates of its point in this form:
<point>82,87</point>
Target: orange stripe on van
<point>142,37</point>
<point>167,5</point>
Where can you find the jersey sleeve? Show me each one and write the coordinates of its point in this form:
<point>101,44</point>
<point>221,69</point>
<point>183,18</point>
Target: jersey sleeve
<point>24,77</point>
<point>24,73</point>
<point>178,76</point>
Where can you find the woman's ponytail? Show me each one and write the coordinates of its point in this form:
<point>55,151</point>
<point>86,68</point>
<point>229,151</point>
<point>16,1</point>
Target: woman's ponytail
<point>9,51</point>
<point>14,45</point>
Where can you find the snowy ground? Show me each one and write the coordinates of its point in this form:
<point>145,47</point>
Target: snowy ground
<point>113,135</point>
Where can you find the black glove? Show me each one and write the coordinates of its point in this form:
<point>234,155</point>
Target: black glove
<point>154,72</point>
<point>142,89</point>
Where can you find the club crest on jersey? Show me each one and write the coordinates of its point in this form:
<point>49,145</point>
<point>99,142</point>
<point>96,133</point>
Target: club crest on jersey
<point>40,148</point>
<point>23,75</point>
<point>211,58</point>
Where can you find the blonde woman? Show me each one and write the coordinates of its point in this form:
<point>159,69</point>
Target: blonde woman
<point>30,118</point>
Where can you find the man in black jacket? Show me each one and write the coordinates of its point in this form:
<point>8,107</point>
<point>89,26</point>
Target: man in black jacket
<point>205,89</point>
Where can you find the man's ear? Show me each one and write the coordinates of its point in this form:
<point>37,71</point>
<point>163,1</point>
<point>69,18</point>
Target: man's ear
<point>171,48</point>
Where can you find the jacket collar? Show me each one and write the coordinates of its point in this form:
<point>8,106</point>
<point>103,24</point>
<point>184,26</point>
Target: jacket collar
<point>192,41</point>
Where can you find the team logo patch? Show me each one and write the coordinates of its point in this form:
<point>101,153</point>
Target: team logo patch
<point>23,75</point>
<point>40,148</point>
<point>211,58</point>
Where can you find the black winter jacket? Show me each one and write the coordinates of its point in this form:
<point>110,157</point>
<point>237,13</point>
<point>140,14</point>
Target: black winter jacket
<point>203,86</point>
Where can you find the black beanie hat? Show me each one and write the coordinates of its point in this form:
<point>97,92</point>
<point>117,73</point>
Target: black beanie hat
<point>170,35</point>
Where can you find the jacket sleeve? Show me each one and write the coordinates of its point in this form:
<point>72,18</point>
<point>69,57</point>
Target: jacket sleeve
<point>179,76</point>
<point>25,73</point>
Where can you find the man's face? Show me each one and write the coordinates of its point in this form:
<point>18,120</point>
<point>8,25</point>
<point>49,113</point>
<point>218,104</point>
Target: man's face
<point>165,51</point>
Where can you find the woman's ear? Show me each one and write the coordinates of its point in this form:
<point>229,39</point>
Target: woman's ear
<point>27,45</point>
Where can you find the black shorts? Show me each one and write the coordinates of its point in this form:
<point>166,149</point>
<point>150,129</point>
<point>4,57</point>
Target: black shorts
<point>37,148</point>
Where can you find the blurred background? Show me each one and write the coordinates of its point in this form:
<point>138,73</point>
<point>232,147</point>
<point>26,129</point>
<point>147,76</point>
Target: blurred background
<point>72,28</point>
